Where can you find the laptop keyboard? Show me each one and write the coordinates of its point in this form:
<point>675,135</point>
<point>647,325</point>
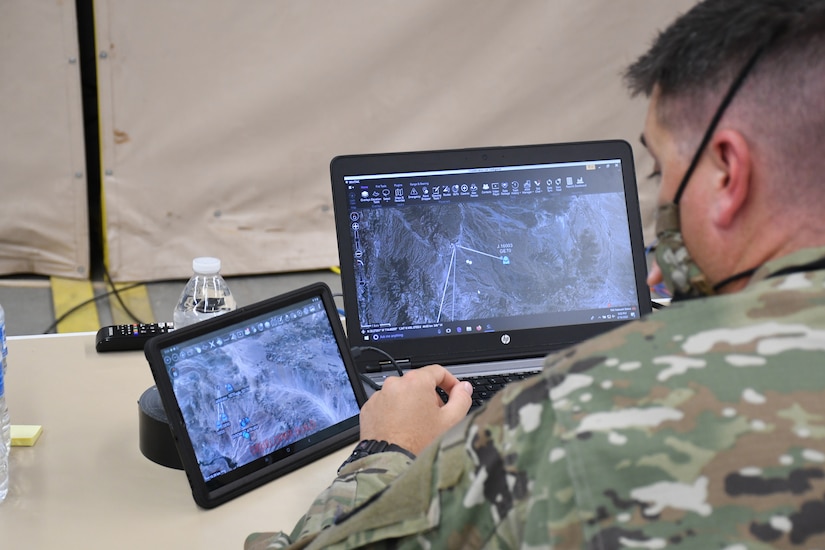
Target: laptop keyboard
<point>485,387</point>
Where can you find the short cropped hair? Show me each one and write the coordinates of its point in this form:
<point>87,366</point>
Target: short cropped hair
<point>707,46</point>
<point>782,101</point>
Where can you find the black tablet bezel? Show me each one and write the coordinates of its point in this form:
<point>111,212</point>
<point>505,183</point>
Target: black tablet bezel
<point>206,494</point>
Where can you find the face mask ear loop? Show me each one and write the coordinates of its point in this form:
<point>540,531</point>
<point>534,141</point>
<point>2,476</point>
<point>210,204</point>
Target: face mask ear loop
<point>734,87</point>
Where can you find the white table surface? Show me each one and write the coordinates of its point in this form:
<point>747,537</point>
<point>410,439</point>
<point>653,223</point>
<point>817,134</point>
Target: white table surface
<point>85,484</point>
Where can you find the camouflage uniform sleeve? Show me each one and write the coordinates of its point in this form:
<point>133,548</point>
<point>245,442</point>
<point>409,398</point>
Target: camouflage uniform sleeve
<point>492,481</point>
<point>355,485</point>
<point>496,480</point>
<point>701,426</point>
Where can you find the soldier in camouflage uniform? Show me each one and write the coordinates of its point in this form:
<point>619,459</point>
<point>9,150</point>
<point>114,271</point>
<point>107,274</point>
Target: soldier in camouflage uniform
<point>700,426</point>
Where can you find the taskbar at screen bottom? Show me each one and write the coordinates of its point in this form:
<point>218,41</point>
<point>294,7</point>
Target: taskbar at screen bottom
<point>476,326</point>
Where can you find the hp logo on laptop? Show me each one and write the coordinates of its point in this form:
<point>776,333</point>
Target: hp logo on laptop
<point>505,339</point>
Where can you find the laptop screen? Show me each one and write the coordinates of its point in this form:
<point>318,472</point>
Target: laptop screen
<point>490,247</point>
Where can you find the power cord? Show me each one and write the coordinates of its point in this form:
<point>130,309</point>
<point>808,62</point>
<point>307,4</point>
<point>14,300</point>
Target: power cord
<point>116,293</point>
<point>63,317</point>
<point>107,279</point>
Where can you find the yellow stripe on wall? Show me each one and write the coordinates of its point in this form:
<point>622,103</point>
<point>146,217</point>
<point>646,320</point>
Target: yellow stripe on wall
<point>69,293</point>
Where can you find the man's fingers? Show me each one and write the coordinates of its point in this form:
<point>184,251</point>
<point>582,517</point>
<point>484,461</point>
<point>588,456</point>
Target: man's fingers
<point>441,377</point>
<point>409,413</point>
<point>460,400</point>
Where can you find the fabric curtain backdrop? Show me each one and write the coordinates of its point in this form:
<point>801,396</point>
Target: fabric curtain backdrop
<point>43,204</point>
<point>219,118</point>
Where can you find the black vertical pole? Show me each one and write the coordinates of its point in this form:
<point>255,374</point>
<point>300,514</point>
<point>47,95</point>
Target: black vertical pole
<point>88,80</point>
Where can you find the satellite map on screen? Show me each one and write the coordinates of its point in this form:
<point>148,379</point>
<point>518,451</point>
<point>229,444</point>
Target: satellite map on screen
<point>492,258</point>
<point>260,388</point>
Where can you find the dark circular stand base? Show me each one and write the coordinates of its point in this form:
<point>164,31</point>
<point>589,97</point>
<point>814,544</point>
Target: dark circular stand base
<point>156,441</point>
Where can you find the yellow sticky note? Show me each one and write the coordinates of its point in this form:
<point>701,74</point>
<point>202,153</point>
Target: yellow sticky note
<point>24,435</point>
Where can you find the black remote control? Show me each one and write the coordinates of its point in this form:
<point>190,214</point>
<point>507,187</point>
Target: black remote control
<point>128,337</point>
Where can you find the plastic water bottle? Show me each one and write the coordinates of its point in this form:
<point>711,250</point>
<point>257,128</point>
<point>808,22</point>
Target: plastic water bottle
<point>5,424</point>
<point>3,337</point>
<point>206,294</point>
<point>5,443</point>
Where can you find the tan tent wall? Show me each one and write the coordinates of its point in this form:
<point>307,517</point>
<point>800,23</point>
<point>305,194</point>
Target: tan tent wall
<point>219,117</point>
<point>43,212</point>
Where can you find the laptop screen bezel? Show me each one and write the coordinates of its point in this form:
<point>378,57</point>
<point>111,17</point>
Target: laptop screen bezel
<point>463,348</point>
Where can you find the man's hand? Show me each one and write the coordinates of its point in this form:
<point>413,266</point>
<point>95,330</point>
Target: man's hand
<point>407,411</point>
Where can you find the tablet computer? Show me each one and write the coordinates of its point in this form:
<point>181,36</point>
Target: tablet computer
<point>257,392</point>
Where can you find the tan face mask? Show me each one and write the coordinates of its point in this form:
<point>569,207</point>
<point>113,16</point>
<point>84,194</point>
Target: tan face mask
<point>682,276</point>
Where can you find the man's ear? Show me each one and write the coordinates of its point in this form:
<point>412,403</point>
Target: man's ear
<point>732,158</point>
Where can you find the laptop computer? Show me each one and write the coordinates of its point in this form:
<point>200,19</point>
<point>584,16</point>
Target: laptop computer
<point>257,392</point>
<point>485,260</point>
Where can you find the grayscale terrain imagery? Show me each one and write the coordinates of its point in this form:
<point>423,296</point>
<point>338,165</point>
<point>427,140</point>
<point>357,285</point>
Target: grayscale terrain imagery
<point>266,396</point>
<point>485,259</point>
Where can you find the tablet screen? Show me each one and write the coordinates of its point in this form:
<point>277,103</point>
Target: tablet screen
<point>260,390</point>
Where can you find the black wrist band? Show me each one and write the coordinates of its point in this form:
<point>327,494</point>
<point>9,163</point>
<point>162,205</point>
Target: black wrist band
<point>370,447</point>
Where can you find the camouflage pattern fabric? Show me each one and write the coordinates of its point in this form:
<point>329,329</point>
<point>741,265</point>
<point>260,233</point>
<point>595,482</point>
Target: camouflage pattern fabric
<point>682,275</point>
<point>701,426</point>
